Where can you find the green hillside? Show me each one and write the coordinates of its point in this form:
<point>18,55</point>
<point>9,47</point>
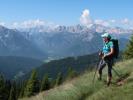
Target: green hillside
<point>83,88</point>
<point>78,64</point>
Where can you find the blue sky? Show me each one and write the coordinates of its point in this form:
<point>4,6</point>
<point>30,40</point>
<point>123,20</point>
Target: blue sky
<point>64,12</point>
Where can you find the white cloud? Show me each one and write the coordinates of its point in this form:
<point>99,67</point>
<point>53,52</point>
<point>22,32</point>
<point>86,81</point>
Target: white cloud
<point>85,18</point>
<point>2,23</point>
<point>128,23</point>
<point>32,23</point>
<point>125,21</point>
<point>15,24</point>
<point>102,22</point>
<point>112,21</point>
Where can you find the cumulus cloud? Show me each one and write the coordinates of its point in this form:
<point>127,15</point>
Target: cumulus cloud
<point>112,21</point>
<point>15,24</point>
<point>32,24</point>
<point>2,23</point>
<point>102,22</point>
<point>29,23</point>
<point>125,21</point>
<point>85,18</point>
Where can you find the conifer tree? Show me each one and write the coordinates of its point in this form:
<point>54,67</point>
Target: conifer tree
<point>8,87</point>
<point>22,88</point>
<point>52,83</point>
<point>45,84</point>
<point>128,53</point>
<point>13,92</point>
<point>3,90</point>
<point>32,86</point>
<point>1,86</point>
<point>71,73</point>
<point>59,79</point>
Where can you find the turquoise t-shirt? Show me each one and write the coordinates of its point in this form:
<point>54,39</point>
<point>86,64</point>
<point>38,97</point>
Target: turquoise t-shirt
<point>107,47</point>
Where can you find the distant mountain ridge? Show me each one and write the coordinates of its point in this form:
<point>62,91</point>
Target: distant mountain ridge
<point>116,31</point>
<point>13,43</point>
<point>55,43</point>
<point>64,41</point>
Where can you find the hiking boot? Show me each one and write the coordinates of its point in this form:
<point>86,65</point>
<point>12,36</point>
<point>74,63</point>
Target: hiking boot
<point>99,78</point>
<point>108,80</point>
<point>108,83</point>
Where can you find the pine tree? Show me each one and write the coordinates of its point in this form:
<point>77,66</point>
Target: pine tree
<point>22,88</point>
<point>3,90</point>
<point>45,84</point>
<point>52,83</point>
<point>32,86</point>
<point>59,79</point>
<point>13,93</point>
<point>128,53</point>
<point>71,73</point>
<point>1,86</point>
<point>8,87</point>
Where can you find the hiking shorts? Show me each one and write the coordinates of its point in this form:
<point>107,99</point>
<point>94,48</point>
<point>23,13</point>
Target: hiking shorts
<point>103,63</point>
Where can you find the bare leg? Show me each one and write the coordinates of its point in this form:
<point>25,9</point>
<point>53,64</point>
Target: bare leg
<point>102,64</point>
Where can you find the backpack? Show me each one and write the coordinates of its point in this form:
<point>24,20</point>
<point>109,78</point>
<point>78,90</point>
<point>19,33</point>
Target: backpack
<point>116,48</point>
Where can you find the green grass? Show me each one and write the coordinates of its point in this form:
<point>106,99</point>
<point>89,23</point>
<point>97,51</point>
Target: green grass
<point>82,87</point>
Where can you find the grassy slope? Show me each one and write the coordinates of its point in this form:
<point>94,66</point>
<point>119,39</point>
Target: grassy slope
<point>82,88</point>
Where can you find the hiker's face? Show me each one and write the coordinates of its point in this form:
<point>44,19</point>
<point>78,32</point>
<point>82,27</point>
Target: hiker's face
<point>105,39</point>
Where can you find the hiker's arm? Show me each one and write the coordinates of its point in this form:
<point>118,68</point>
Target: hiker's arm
<point>110,53</point>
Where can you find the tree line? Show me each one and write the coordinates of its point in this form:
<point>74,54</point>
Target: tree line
<point>13,89</point>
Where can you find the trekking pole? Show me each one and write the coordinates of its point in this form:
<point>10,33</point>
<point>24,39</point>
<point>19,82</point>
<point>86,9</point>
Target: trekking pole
<point>96,70</point>
<point>116,72</point>
<point>95,73</point>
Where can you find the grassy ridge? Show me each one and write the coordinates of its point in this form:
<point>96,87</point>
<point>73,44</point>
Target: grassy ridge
<point>82,87</point>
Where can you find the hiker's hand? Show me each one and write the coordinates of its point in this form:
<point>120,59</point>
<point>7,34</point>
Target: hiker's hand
<point>103,57</point>
<point>100,54</point>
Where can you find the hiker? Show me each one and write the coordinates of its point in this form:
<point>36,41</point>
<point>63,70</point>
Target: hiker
<point>106,57</point>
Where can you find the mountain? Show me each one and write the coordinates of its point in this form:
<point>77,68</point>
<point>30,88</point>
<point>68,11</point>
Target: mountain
<point>13,43</point>
<point>55,43</point>
<point>65,41</point>
<point>66,44</point>
<point>15,67</point>
<point>118,32</point>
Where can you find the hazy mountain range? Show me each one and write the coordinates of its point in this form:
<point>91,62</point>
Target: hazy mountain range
<point>58,42</point>
<point>14,43</point>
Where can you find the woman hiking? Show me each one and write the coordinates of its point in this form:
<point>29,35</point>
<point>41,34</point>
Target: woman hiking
<point>107,57</point>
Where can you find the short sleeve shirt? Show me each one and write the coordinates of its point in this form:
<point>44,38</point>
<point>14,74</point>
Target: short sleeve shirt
<point>107,47</point>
